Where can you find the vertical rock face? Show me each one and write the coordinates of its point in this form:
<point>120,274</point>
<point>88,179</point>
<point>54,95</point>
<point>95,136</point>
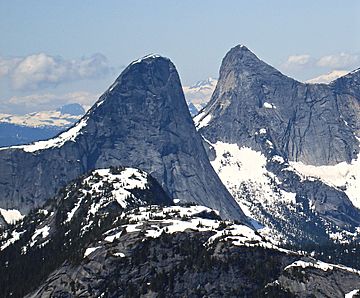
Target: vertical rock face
<point>287,151</point>
<point>305,122</point>
<point>141,121</point>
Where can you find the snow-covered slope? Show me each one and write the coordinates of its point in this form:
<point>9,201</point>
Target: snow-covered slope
<point>273,210</point>
<point>344,176</point>
<point>262,127</point>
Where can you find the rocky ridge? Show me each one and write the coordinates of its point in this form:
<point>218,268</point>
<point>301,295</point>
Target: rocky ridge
<point>102,236</point>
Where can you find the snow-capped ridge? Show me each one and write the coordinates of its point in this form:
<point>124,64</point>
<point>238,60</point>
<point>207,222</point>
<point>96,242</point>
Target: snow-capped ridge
<point>148,57</point>
<point>320,265</point>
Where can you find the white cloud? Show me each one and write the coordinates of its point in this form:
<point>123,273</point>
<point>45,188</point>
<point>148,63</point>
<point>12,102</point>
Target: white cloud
<point>6,65</point>
<point>295,61</point>
<point>342,60</point>
<point>42,70</point>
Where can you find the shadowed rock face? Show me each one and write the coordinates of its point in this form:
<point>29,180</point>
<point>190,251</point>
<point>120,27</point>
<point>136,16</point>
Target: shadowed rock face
<point>311,123</point>
<point>141,121</point>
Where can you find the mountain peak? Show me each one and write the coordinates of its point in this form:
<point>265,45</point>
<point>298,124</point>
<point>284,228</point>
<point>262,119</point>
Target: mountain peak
<point>240,52</point>
<point>242,60</point>
<point>240,47</point>
<point>142,121</point>
<point>149,58</point>
<point>147,72</point>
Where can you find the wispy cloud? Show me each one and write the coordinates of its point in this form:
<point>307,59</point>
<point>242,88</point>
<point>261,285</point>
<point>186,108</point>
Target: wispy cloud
<point>42,70</point>
<point>296,61</point>
<point>341,60</point>
<point>7,65</point>
<point>334,61</point>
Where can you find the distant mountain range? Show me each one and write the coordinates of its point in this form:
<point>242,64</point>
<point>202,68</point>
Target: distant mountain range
<point>199,94</point>
<point>24,129</point>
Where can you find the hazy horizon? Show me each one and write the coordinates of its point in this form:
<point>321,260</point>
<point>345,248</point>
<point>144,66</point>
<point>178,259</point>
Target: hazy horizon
<point>54,53</point>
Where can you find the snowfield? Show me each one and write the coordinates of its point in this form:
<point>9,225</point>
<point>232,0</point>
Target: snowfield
<point>344,175</point>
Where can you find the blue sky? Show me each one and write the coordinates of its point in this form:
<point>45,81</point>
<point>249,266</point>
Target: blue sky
<point>77,48</point>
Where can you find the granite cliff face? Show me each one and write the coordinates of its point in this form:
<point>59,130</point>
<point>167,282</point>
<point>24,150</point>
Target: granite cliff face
<point>287,151</point>
<point>310,123</point>
<point>141,121</point>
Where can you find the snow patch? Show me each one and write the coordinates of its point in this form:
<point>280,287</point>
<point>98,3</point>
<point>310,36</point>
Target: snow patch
<point>119,254</point>
<point>15,236</point>
<point>43,232</point>
<point>202,120</point>
<point>262,131</point>
<point>90,250</point>
<point>278,159</point>
<point>236,165</point>
<point>268,105</point>
<point>11,216</point>
<point>352,293</point>
<point>111,238</point>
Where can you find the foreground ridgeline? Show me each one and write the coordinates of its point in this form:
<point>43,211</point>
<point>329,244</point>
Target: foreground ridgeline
<point>141,121</point>
<point>287,151</point>
<point>115,233</point>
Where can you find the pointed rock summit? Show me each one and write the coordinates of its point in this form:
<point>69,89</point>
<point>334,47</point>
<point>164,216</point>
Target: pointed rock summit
<point>311,123</point>
<point>141,121</point>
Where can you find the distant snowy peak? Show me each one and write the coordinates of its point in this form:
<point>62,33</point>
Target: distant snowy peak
<point>200,93</point>
<point>327,78</point>
<point>208,83</point>
<point>65,116</point>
